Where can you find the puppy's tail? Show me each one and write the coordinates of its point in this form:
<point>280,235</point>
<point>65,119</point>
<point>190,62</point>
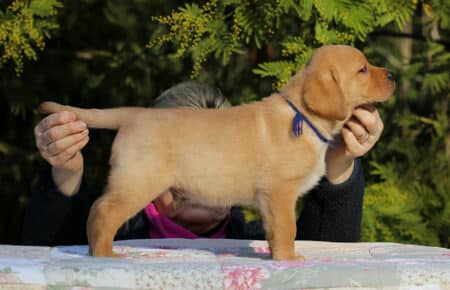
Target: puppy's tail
<point>94,118</point>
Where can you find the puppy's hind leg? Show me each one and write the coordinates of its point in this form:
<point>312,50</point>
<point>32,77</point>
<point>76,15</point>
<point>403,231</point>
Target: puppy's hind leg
<point>278,215</point>
<point>125,195</point>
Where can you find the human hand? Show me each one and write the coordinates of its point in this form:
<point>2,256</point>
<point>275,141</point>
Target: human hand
<point>60,138</point>
<point>358,137</point>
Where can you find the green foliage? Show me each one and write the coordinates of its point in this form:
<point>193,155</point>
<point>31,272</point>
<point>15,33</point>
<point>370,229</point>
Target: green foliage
<point>200,27</point>
<point>411,202</point>
<point>23,29</point>
<point>408,196</point>
<point>238,24</point>
<point>281,70</point>
<point>436,79</point>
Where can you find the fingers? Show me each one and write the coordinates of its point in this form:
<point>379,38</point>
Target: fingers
<point>55,127</point>
<point>362,131</point>
<point>46,135</point>
<point>59,137</point>
<point>53,120</point>
<point>353,146</point>
<point>64,143</point>
<point>59,160</point>
<point>370,119</point>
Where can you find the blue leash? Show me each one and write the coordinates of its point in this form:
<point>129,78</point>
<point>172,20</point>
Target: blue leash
<point>297,128</point>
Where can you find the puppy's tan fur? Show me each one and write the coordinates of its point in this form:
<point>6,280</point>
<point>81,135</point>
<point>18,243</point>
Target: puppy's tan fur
<point>243,155</point>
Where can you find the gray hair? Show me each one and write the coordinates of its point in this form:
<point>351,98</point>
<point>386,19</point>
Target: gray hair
<point>192,94</point>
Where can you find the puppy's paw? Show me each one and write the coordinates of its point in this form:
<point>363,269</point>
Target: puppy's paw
<point>104,254</point>
<point>299,258</point>
<point>115,255</point>
<point>291,257</point>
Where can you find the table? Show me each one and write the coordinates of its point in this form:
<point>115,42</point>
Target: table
<point>226,264</point>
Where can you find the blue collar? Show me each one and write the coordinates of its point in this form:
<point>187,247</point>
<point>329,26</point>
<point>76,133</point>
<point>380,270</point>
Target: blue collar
<point>297,129</point>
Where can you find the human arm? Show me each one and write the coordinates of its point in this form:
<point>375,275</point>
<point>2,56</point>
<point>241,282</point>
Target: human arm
<point>60,138</point>
<point>358,137</point>
<point>58,206</point>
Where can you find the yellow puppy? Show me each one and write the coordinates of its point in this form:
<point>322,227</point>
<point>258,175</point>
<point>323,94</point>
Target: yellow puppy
<point>264,154</point>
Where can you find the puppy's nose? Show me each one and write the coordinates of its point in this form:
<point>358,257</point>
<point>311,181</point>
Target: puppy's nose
<point>390,76</point>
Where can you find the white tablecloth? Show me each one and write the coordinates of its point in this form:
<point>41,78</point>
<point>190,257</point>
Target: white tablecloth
<point>226,264</point>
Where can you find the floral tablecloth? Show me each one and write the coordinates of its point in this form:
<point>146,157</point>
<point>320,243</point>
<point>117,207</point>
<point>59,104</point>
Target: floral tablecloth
<point>226,264</point>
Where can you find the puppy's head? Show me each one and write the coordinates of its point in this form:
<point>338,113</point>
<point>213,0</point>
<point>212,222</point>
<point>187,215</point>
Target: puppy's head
<point>338,79</point>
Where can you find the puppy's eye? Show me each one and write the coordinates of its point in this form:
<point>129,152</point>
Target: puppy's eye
<point>363,69</point>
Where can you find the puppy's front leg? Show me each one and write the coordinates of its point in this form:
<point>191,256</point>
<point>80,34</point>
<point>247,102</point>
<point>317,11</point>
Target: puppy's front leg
<point>278,214</point>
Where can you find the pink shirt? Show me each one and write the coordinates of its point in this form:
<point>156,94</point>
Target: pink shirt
<point>161,227</point>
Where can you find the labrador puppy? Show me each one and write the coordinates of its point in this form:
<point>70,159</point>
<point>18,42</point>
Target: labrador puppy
<point>264,154</point>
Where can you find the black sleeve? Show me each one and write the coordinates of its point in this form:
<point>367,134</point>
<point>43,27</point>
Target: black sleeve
<point>52,218</point>
<point>333,212</point>
<point>239,229</point>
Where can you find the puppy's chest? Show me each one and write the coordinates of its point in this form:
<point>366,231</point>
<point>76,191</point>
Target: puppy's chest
<point>313,176</point>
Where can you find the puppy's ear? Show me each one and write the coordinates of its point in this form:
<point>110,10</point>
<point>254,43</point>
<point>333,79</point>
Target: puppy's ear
<point>323,95</point>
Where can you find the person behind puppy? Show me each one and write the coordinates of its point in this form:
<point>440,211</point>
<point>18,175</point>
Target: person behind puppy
<point>59,205</point>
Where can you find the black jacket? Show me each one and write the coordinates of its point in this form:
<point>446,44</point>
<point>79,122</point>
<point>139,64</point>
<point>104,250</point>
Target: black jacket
<point>330,213</point>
